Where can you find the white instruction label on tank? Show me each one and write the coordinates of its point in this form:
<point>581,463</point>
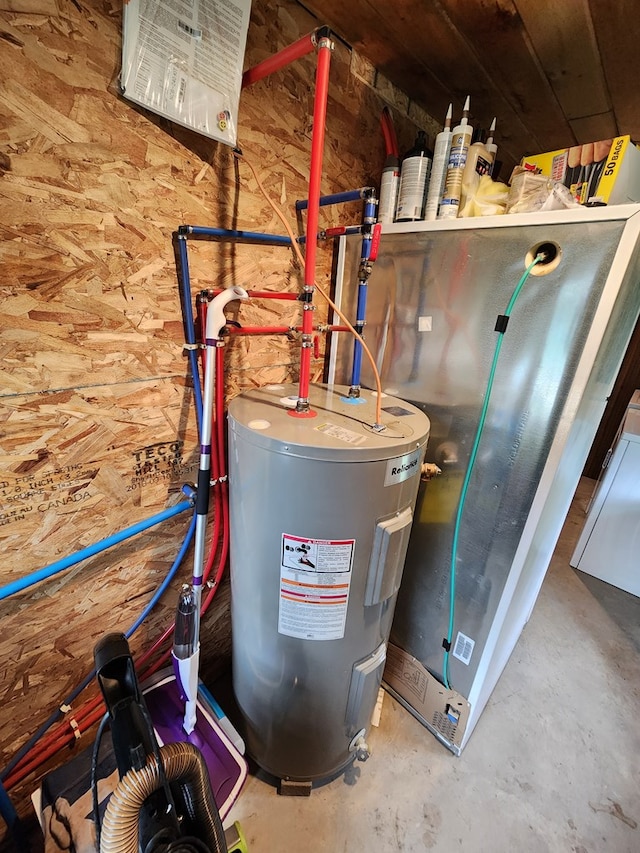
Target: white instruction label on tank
<point>341,433</point>
<point>402,467</point>
<point>315,578</point>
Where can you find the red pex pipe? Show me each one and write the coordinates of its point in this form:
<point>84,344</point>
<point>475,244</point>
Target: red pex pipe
<point>222,469</point>
<point>389,132</point>
<point>266,294</point>
<point>52,748</point>
<point>216,455</point>
<point>260,330</point>
<point>284,57</point>
<point>388,145</point>
<point>315,175</point>
<point>282,330</point>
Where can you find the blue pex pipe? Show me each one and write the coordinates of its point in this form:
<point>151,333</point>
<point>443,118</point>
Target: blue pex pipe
<point>357,346</point>
<point>370,210</point>
<point>7,810</point>
<point>249,236</point>
<point>336,198</point>
<point>103,545</point>
<point>361,309</point>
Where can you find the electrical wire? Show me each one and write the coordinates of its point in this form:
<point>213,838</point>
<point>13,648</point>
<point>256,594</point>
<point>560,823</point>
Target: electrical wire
<point>324,295</point>
<point>470,466</point>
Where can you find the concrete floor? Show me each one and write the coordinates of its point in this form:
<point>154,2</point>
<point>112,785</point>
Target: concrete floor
<point>552,767</point>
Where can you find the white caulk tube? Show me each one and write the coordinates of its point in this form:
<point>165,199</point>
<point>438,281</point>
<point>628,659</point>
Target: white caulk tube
<point>460,142</point>
<point>188,656</point>
<point>441,151</point>
<point>389,190</point>
<point>491,146</point>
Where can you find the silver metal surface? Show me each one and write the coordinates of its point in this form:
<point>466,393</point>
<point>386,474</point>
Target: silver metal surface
<point>434,297</point>
<point>306,668</point>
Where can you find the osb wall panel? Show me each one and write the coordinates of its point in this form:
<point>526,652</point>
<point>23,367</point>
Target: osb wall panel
<point>97,430</point>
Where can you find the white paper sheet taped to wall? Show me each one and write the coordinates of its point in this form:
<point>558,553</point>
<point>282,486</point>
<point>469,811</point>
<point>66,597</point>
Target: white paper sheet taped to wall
<point>183,60</point>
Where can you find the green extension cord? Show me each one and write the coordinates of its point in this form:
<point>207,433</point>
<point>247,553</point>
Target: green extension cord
<point>500,328</point>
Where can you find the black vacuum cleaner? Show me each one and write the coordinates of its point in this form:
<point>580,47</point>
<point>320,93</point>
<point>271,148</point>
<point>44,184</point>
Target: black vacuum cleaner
<point>163,802</point>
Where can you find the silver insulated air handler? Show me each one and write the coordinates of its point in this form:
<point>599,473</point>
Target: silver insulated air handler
<point>320,512</point>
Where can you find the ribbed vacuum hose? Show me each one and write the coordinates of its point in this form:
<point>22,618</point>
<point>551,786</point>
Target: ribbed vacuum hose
<point>183,765</point>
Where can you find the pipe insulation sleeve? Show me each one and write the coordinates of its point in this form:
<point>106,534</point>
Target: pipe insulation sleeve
<point>184,766</point>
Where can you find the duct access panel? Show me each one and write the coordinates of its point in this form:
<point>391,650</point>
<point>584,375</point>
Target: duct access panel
<point>433,299</point>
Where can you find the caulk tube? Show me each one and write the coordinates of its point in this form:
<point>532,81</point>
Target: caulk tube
<point>391,171</point>
<point>460,141</point>
<point>491,146</point>
<point>441,151</point>
<point>414,178</point>
<point>389,189</point>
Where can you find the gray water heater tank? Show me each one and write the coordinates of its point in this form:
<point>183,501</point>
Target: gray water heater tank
<point>320,513</point>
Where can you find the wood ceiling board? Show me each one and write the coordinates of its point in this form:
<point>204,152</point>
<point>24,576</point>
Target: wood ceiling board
<point>373,31</point>
<point>564,40</point>
<point>422,58</point>
<point>506,54</point>
<point>419,58</point>
<point>616,29</point>
<point>593,128</point>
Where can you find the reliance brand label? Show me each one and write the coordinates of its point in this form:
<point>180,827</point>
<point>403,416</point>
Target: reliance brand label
<point>402,467</point>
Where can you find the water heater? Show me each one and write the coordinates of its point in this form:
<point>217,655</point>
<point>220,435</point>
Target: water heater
<point>320,511</point>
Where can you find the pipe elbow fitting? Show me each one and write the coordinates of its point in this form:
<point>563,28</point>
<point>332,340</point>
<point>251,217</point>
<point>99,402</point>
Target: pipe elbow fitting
<point>216,320</point>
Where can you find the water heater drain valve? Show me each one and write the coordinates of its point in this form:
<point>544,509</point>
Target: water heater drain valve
<point>360,746</point>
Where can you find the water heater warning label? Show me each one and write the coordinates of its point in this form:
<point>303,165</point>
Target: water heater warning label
<point>315,577</point>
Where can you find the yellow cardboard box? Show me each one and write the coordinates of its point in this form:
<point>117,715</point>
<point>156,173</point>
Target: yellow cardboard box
<point>604,172</point>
